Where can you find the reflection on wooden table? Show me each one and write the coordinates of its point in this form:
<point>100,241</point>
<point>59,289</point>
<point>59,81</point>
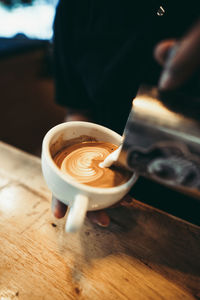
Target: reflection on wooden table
<point>144,254</point>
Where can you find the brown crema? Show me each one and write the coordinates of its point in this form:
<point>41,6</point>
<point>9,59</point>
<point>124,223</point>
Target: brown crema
<point>81,162</point>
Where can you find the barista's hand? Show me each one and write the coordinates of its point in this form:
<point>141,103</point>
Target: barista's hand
<point>181,60</point>
<point>99,217</point>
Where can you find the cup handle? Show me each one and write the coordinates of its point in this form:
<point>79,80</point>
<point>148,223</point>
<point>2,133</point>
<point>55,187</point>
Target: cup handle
<point>77,213</point>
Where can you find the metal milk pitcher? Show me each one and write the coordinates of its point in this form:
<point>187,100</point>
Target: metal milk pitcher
<point>161,139</point>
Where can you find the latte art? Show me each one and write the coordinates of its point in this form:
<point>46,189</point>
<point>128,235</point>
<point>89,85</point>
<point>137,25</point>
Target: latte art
<point>81,162</point>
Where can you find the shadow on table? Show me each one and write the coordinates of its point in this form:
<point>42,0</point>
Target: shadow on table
<point>166,245</point>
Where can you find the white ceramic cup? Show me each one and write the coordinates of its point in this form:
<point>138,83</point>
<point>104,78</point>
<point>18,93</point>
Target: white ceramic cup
<point>79,197</point>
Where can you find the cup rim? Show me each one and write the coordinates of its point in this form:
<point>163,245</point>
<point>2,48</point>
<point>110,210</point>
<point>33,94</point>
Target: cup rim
<point>81,186</point>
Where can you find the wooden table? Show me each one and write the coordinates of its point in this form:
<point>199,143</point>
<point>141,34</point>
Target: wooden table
<point>144,254</point>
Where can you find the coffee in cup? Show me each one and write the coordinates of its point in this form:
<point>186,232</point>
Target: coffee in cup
<point>81,161</point>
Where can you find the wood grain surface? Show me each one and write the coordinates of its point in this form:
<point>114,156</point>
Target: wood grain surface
<point>144,254</point>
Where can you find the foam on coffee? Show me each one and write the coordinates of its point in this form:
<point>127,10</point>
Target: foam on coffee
<point>81,162</point>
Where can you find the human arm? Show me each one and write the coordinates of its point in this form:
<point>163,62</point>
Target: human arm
<point>181,59</point>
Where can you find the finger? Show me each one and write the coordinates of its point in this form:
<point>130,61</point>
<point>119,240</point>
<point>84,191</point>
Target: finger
<point>184,62</point>
<point>58,208</point>
<point>78,115</point>
<point>99,217</point>
<point>162,50</point>
<point>125,201</point>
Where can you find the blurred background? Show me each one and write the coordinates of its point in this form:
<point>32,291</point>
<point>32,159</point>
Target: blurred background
<point>27,102</point>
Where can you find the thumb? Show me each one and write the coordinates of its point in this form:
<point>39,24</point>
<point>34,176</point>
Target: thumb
<point>58,208</point>
<point>162,50</point>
